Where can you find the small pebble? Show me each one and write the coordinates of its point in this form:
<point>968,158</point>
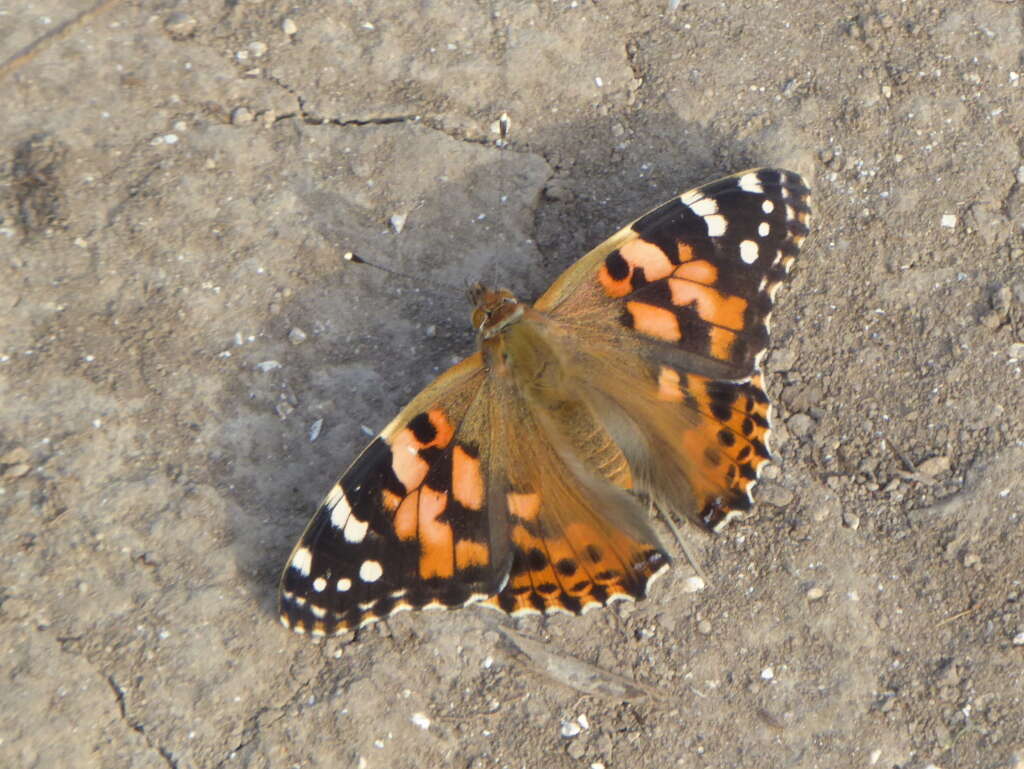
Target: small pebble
<point>1017,351</point>
<point>815,594</point>
<point>570,729</point>
<point>851,520</point>
<point>949,220</point>
<point>180,25</point>
<point>800,425</point>
<point>774,494</point>
<point>15,456</point>
<point>284,409</point>
<point>767,674</point>
<point>971,560</point>
<point>874,756</point>
<point>257,48</point>
<point>268,365</point>
<point>693,584</point>
<point>704,627</point>
<point>422,720</point>
<point>17,471</point>
<point>242,116</point>
<point>314,430</point>
<point>288,27</point>
<point>397,222</point>
<point>1018,640</point>
<point>782,360</point>
<point>576,749</point>
<point>934,466</point>
<point>296,336</point>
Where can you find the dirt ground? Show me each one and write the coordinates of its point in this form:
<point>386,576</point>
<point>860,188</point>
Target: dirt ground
<point>178,180</point>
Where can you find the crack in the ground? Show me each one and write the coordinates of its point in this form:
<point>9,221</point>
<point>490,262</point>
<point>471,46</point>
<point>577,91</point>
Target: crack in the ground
<point>309,117</point>
<point>252,729</point>
<point>122,704</point>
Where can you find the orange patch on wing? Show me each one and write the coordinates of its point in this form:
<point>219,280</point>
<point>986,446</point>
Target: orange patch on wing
<point>701,271</point>
<point>407,516</point>
<point>684,253</point>
<point>437,558</point>
<point>389,500</point>
<point>618,557</point>
<point>721,342</point>
<point>524,506</point>
<point>712,306</point>
<point>444,428</point>
<point>409,466</point>
<point>640,253</point>
<point>526,542</point>
<point>469,553</point>
<point>467,481</point>
<point>668,385</point>
<point>654,321</point>
<point>612,287</point>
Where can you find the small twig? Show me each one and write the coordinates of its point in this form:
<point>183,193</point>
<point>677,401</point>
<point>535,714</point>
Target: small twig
<point>903,457</point>
<point>958,615</point>
<point>56,34</point>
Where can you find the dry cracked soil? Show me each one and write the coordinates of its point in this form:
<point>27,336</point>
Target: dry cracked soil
<point>178,181</point>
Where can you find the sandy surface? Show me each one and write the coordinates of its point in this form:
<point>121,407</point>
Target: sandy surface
<point>177,183</point>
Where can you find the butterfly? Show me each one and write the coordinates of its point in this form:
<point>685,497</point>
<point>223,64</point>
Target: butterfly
<point>522,478</point>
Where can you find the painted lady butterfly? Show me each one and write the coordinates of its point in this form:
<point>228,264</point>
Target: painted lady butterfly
<point>519,479</point>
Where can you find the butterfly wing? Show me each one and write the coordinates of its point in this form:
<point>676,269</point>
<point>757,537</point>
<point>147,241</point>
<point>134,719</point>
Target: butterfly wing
<point>472,494</point>
<point>668,320</point>
<point>579,539</point>
<point>407,525</point>
<point>477,492</point>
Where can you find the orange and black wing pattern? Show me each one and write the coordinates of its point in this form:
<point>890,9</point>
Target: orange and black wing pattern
<point>680,300</point>
<point>406,526</point>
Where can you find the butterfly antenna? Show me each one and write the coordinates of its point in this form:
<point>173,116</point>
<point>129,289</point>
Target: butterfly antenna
<point>350,256</point>
<point>503,128</point>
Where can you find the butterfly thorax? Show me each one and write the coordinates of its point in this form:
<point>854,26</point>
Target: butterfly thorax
<point>493,310</point>
<point>515,342</point>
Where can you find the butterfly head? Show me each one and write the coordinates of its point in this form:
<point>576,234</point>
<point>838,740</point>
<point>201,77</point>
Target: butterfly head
<point>493,309</point>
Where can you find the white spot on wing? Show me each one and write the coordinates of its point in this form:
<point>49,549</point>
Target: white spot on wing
<point>338,504</point>
<point>750,183</point>
<point>767,206</point>
<point>302,561</point>
<point>705,207</point>
<point>691,197</point>
<point>716,225</point>
<point>344,585</point>
<point>748,251</point>
<point>319,584</point>
<point>355,530</point>
<point>370,571</point>
<point>763,229</point>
